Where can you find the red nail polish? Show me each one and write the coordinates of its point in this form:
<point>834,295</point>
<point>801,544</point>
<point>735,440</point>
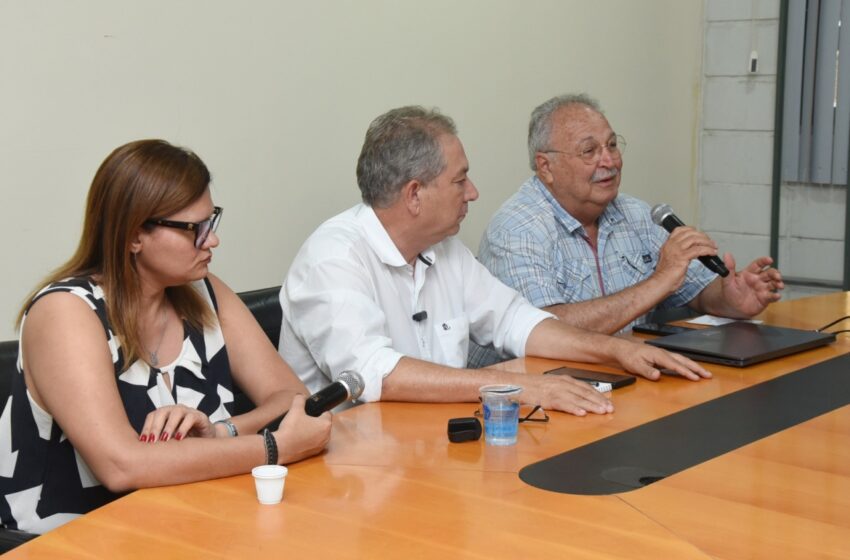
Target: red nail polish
<point>151,438</point>
<point>163,437</point>
<point>178,436</point>
<point>143,438</point>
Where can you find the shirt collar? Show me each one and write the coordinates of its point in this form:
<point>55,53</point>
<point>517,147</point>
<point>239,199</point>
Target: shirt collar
<point>381,242</point>
<point>188,359</point>
<point>610,216</point>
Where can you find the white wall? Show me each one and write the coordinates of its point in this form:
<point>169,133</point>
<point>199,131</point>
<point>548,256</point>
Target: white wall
<point>737,137</point>
<point>276,96</point>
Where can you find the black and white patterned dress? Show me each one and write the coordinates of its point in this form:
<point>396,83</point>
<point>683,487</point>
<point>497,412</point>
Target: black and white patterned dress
<point>44,482</point>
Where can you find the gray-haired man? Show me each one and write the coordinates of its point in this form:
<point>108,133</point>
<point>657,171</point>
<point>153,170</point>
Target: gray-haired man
<point>385,289</point>
<point>576,247</point>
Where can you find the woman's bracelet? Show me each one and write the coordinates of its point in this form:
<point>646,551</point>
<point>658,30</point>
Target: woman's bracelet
<point>231,427</point>
<point>271,447</point>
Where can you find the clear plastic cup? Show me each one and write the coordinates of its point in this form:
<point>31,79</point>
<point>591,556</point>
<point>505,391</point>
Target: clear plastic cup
<point>269,480</point>
<point>500,405</point>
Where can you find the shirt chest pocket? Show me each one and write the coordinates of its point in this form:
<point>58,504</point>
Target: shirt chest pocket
<point>576,281</point>
<point>636,266</point>
<point>635,260</point>
<point>453,341</point>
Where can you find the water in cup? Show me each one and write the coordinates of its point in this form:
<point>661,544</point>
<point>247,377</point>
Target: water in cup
<point>500,423</point>
<point>501,413</point>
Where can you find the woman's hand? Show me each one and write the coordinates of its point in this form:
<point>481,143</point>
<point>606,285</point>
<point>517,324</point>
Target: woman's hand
<point>301,436</point>
<point>176,422</point>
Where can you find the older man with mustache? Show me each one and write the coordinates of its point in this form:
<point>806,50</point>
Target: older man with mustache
<point>574,246</point>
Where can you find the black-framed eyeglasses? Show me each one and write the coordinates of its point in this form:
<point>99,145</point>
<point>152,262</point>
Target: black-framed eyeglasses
<point>536,414</point>
<point>590,151</point>
<point>202,229</point>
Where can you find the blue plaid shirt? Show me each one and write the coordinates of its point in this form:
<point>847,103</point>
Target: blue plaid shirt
<point>533,245</point>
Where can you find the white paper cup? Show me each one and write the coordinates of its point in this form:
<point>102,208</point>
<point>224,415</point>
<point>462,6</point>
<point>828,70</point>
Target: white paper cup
<point>269,480</point>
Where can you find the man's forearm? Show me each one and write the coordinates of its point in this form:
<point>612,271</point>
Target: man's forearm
<point>414,380</point>
<point>611,313</point>
<point>556,340</point>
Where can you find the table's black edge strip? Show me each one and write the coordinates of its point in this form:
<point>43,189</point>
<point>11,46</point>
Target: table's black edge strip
<point>681,440</point>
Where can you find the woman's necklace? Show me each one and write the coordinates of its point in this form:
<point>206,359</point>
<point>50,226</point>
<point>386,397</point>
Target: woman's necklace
<point>154,361</point>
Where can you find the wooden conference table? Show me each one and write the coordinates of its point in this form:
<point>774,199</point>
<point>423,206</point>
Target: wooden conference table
<point>392,486</point>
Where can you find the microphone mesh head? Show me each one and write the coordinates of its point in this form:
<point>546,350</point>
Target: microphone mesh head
<point>659,212</point>
<point>354,382</point>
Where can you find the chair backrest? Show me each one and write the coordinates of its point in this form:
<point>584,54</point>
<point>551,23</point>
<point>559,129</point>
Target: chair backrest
<point>9,538</point>
<point>265,306</point>
<point>8,368</point>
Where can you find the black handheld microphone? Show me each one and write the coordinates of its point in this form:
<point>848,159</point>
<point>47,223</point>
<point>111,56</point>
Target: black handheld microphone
<point>348,386</point>
<point>663,215</point>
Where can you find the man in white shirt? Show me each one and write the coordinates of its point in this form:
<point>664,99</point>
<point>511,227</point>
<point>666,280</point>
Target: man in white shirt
<point>385,290</point>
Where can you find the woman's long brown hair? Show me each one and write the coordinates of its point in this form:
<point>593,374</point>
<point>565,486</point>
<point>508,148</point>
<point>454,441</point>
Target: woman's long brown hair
<point>136,182</point>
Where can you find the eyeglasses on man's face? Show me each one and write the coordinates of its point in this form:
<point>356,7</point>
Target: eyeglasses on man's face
<point>202,229</point>
<point>590,151</point>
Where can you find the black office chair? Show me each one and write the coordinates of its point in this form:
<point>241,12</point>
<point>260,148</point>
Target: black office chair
<point>9,538</point>
<point>263,304</point>
<point>8,368</point>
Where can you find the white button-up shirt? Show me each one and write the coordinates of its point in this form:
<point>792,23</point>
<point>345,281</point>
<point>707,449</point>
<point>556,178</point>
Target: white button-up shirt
<point>349,299</point>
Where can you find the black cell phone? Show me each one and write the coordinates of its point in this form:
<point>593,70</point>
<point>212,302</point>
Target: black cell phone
<point>615,379</point>
<point>660,328</point>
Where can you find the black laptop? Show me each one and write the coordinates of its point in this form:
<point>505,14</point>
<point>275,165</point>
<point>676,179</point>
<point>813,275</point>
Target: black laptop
<point>741,343</point>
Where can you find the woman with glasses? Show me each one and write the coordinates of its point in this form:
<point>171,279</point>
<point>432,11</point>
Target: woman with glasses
<point>130,351</point>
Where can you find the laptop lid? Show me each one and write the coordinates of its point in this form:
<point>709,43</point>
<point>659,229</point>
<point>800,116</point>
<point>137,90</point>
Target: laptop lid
<point>741,343</point>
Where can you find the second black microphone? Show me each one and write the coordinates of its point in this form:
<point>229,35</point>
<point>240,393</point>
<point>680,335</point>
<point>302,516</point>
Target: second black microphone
<point>347,387</point>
